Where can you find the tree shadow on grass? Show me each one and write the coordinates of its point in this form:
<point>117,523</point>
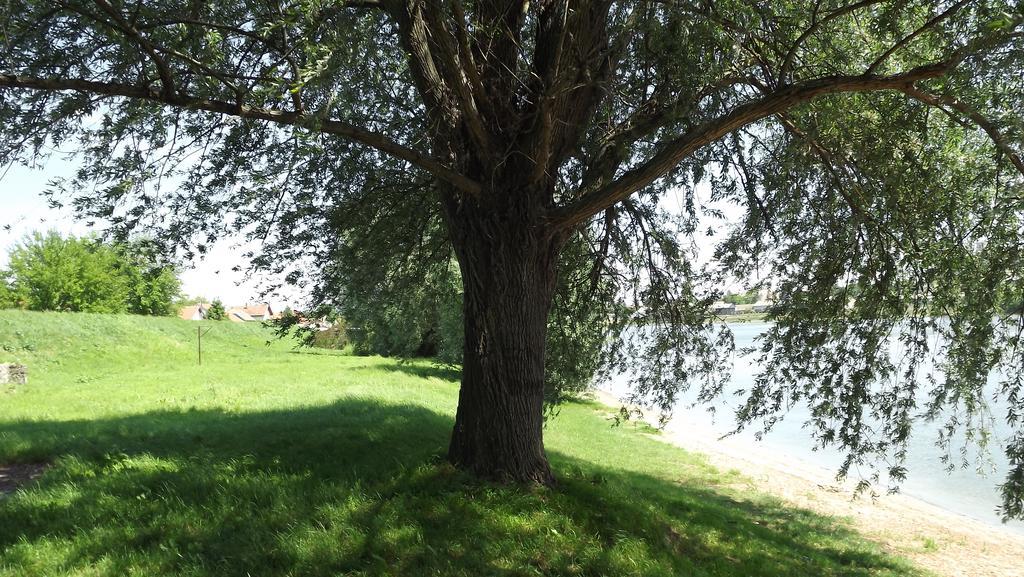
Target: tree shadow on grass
<point>425,369</point>
<point>357,487</point>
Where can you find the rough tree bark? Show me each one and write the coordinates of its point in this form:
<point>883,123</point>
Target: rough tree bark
<point>508,261</point>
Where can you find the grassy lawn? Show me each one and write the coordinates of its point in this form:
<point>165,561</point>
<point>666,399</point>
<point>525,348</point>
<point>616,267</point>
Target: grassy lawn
<point>270,461</point>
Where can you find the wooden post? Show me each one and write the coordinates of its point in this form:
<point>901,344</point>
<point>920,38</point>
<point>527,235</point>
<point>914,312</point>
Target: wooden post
<point>199,342</point>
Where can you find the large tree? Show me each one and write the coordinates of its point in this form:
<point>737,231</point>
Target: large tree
<point>874,145</point>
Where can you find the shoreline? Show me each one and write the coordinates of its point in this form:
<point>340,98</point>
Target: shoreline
<point>936,539</point>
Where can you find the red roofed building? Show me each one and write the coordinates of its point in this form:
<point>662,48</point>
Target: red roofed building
<point>249,313</point>
<point>194,312</point>
<point>259,312</point>
<point>238,315</point>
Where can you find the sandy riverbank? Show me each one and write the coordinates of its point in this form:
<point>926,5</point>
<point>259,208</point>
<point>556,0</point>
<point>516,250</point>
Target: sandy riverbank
<point>945,543</point>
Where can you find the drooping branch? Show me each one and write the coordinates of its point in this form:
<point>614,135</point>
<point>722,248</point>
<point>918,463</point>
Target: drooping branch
<point>910,37</point>
<point>282,51</point>
<point>814,27</point>
<point>645,120</point>
<point>993,132</point>
<point>286,118</point>
<point>832,163</point>
<point>591,202</point>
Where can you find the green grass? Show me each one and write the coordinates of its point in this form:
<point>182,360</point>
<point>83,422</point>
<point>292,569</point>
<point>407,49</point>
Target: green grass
<point>270,461</point>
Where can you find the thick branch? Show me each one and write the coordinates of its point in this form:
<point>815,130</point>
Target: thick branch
<point>573,63</point>
<point>429,82</point>
<point>467,58</point>
<point>673,152</point>
<point>166,77</point>
<point>337,127</point>
<point>457,76</point>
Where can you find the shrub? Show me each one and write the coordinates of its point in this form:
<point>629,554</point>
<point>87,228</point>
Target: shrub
<point>335,338</point>
<point>7,299</point>
<point>50,272</point>
<point>216,311</point>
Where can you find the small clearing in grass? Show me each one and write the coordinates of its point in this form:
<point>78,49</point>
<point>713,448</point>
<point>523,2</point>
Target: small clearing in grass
<point>14,476</point>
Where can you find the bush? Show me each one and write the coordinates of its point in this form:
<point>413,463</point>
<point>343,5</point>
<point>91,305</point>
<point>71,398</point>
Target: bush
<point>335,338</point>
<point>6,292</point>
<point>216,311</point>
<point>51,273</point>
<point>420,320</point>
<point>151,288</point>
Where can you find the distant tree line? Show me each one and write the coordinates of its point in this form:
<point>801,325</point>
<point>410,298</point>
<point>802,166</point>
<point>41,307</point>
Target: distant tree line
<point>49,272</point>
<point>744,298</point>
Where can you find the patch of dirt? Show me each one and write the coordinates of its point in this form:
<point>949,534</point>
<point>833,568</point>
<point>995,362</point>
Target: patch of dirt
<point>14,476</point>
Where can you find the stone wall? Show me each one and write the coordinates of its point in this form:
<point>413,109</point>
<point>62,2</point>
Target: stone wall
<point>11,373</point>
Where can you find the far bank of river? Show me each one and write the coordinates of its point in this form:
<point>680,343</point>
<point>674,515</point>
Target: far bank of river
<point>962,492</point>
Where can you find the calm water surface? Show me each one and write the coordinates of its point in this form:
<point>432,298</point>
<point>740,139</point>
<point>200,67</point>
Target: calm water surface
<point>964,491</point>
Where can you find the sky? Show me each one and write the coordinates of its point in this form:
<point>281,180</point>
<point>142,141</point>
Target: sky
<point>23,209</point>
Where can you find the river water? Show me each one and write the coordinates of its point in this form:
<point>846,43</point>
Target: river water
<point>967,492</point>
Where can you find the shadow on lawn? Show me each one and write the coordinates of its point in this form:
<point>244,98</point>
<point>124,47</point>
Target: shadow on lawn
<point>358,487</point>
<point>425,370</point>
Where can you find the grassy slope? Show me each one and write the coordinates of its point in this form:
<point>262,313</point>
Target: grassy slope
<point>268,461</point>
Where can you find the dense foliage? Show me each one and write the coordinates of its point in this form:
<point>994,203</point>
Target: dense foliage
<point>871,148</point>
<point>48,272</point>
<point>415,309</point>
<point>6,293</point>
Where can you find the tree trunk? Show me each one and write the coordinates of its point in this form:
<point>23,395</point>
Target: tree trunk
<point>508,275</point>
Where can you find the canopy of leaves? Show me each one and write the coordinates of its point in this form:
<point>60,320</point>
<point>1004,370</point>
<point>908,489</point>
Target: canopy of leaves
<point>873,148</point>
